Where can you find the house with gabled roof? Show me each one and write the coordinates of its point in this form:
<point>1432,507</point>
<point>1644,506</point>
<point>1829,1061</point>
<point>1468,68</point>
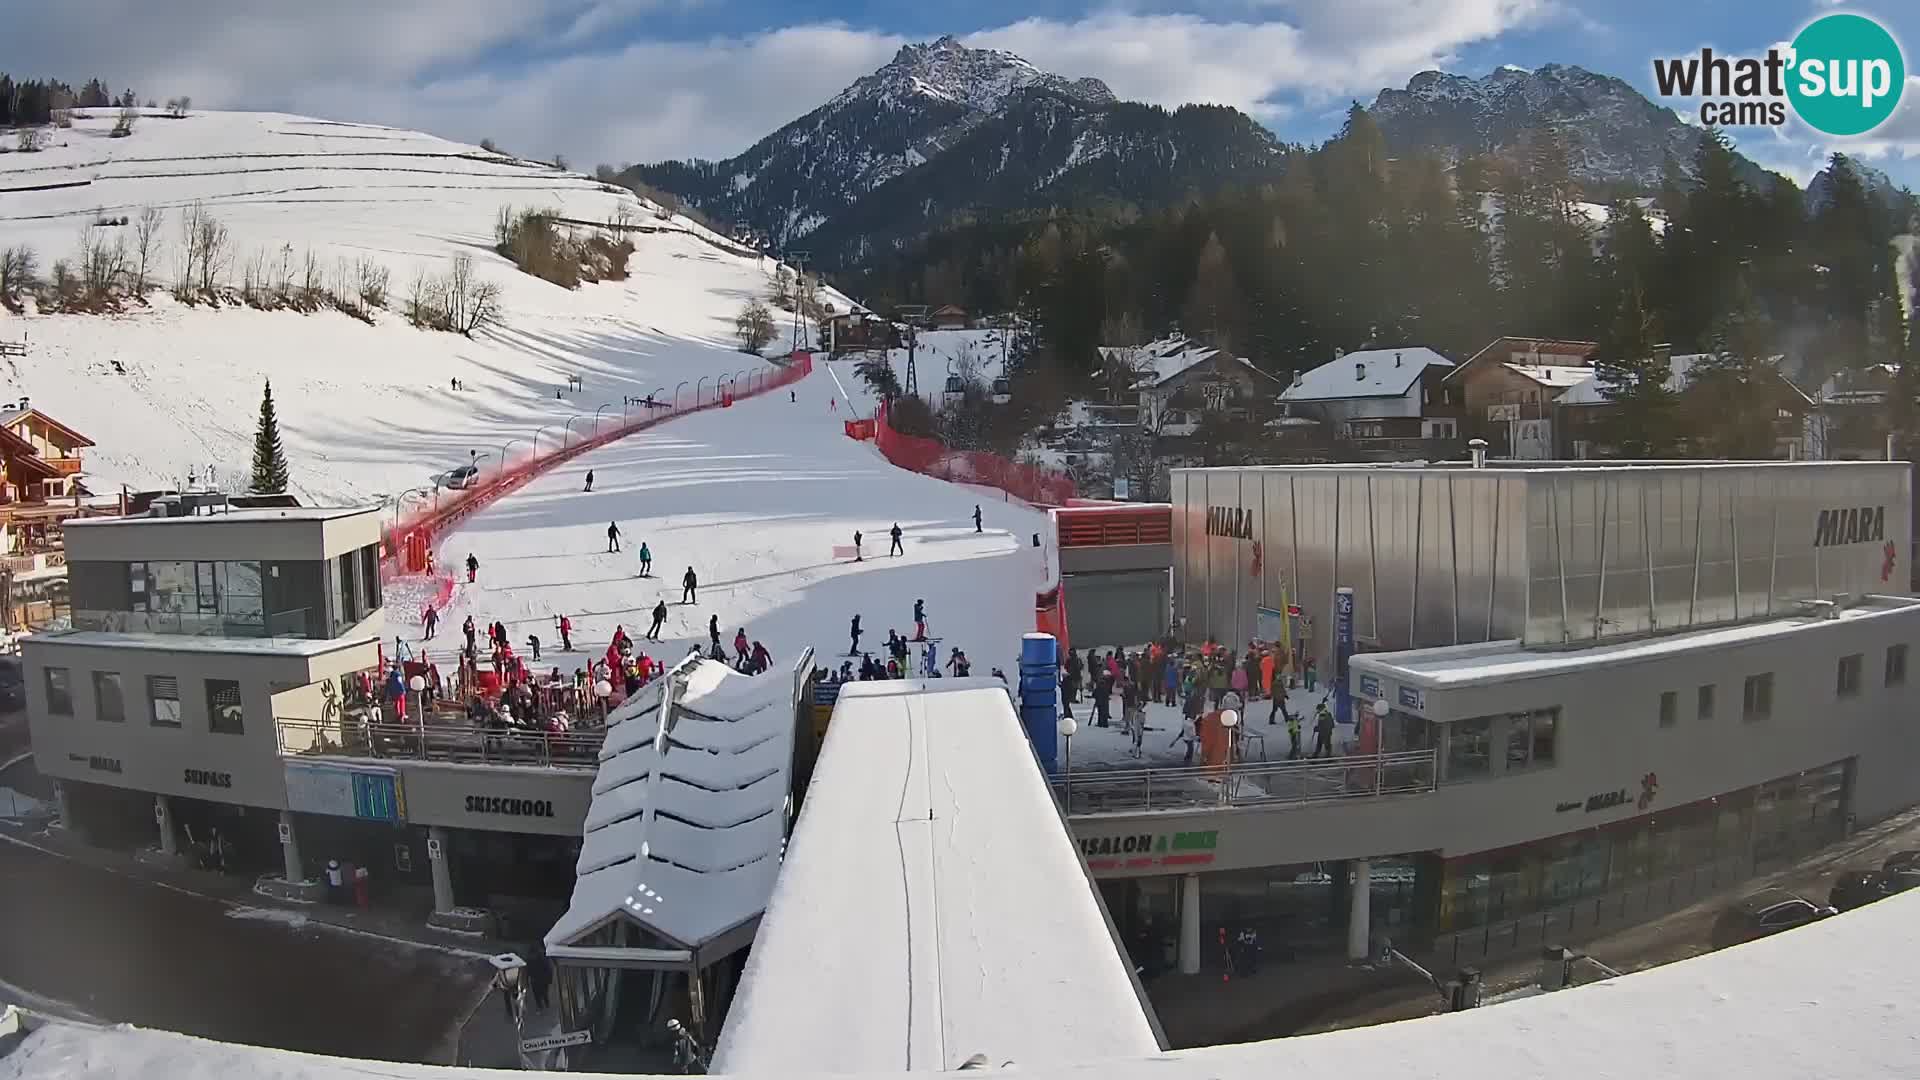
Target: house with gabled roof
<point>56,444</point>
<point>1382,402</point>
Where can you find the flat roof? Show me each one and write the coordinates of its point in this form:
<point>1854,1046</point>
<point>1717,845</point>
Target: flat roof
<point>234,517</point>
<point>1835,998</point>
<point>1453,666</point>
<point>931,905</point>
<point>306,647</point>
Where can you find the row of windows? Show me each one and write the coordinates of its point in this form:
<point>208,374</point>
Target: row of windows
<point>1532,739</point>
<point>224,713</point>
<point>1756,697</point>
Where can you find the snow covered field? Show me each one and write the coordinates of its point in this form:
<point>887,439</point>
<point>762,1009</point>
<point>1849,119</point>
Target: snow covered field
<point>365,411</point>
<point>755,498</point>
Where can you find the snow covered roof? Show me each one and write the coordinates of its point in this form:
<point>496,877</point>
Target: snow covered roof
<point>932,906</point>
<point>1834,998</point>
<point>1680,367</point>
<point>1158,361</point>
<point>684,833</point>
<point>1372,373</point>
<point>1553,375</point>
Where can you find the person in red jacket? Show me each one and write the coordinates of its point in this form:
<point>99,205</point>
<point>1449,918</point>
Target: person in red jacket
<point>741,650</point>
<point>566,634</point>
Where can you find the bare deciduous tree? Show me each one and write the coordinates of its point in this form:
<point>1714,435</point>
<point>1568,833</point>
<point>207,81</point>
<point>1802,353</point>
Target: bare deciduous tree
<point>177,107</point>
<point>371,283</point>
<point>30,139</point>
<point>19,270</point>
<point>123,123</point>
<point>216,251</point>
<point>103,263</point>
<point>313,286</point>
<point>146,247</point>
<point>754,326</point>
<point>423,301</point>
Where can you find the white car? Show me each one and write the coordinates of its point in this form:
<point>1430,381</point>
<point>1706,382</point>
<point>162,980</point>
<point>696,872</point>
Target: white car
<point>458,479</point>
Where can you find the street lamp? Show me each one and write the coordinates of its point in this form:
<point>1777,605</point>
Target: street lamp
<point>596,417</point>
<point>503,452</point>
<point>676,393</point>
<point>1066,727</point>
<point>536,438</point>
<point>697,393</point>
<point>477,459</point>
<point>653,398</point>
<point>1230,720</point>
<point>418,684</point>
<point>568,428</point>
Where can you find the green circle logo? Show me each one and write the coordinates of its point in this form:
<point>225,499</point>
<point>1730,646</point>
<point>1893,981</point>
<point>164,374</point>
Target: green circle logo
<point>1847,74</point>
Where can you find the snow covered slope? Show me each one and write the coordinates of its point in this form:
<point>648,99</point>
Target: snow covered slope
<point>755,498</point>
<point>366,411</point>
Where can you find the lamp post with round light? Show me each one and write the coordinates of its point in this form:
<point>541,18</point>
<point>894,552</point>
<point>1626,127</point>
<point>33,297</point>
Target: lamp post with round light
<point>418,684</point>
<point>1230,722</point>
<point>1380,710</point>
<point>1066,727</point>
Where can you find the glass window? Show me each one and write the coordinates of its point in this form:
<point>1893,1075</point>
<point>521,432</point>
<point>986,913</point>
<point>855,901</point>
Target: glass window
<point>1847,681</point>
<point>224,715</point>
<point>1470,748</point>
<point>1704,707</point>
<point>170,587</point>
<point>206,591</point>
<point>1669,708</point>
<point>1531,737</point>
<point>59,691</point>
<point>1546,736</point>
<point>1896,665</point>
<point>164,692</point>
<point>240,593</point>
<point>370,577</point>
<point>1756,701</point>
<point>109,703</point>
<point>137,582</point>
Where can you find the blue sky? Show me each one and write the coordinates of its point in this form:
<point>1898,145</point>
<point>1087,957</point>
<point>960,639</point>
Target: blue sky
<point>636,80</point>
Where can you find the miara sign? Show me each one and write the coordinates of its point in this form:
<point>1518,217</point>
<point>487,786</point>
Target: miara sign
<point>1229,521</point>
<point>1854,525</point>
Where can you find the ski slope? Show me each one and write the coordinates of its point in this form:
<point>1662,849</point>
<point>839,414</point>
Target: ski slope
<point>755,498</point>
<point>366,412</point>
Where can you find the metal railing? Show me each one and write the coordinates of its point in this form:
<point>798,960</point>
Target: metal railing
<point>1105,791</point>
<point>355,737</point>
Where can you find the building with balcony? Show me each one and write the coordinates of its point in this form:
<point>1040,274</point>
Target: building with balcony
<point>1381,404</point>
<point>53,442</point>
<point>1567,696</point>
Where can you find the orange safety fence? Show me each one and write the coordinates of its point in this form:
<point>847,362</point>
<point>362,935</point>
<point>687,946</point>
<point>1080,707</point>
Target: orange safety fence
<point>408,545</point>
<point>1042,487</point>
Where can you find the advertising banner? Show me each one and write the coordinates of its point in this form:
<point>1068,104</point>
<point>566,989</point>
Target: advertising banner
<point>1342,653</point>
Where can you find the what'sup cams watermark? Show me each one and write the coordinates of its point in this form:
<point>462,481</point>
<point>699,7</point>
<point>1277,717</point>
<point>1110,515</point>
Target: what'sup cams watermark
<point>1842,75</point>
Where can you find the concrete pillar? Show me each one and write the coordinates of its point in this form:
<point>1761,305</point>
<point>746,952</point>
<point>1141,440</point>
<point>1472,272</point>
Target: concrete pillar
<point>290,848</point>
<point>169,832</point>
<point>1190,925</point>
<point>442,868</point>
<point>62,804</point>
<point>1360,914</point>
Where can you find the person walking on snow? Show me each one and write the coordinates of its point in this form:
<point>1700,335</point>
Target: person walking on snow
<point>919,620</point>
<point>432,619</point>
<point>689,587</point>
<point>589,479</point>
<point>713,631</point>
<point>473,569</point>
<point>854,650</point>
<point>613,537</point>
<point>467,629</point>
<point>533,643</point>
<point>897,548</point>
<point>659,620</point>
<point>762,659</point>
<point>1322,730</point>
<point>646,560</point>
<point>566,634</point>
<point>740,649</point>
<point>976,517</point>
<point>962,667</point>
<point>857,556</point>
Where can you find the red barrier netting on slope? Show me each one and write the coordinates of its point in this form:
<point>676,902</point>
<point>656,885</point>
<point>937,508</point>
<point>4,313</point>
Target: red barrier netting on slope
<point>409,544</point>
<point>1042,487</point>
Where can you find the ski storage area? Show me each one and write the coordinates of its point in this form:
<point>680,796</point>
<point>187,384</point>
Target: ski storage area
<point>931,906</point>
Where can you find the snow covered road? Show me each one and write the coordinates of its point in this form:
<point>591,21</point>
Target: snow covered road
<point>755,498</point>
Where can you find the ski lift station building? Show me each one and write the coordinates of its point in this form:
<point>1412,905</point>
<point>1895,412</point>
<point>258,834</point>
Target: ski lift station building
<point>1566,693</point>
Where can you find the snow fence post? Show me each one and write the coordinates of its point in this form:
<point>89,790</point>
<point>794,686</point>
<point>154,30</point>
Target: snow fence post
<point>1039,703</point>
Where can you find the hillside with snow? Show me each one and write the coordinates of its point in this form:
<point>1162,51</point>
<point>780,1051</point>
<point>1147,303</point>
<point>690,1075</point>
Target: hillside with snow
<point>366,411</point>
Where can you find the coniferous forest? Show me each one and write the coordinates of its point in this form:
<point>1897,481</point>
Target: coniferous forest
<point>1350,247</point>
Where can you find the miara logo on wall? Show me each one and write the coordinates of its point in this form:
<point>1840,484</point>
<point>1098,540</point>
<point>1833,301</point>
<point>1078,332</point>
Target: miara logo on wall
<point>1853,525</point>
<point>1229,521</point>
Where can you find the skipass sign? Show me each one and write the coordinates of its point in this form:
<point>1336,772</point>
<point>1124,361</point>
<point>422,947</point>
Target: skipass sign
<point>1843,74</point>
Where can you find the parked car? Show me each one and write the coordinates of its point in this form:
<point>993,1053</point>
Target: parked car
<point>1857,888</point>
<point>1764,914</point>
<point>13,684</point>
<point>458,479</point>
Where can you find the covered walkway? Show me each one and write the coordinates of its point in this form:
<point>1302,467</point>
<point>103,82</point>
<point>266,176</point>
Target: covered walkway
<point>933,908</point>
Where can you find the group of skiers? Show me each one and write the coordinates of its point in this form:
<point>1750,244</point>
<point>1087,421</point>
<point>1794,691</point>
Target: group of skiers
<point>1211,677</point>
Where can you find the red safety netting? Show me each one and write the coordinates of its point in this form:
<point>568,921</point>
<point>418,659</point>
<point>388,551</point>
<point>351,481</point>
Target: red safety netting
<point>1042,487</point>
<point>408,546</point>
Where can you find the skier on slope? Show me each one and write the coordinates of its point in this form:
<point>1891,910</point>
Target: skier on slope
<point>762,659</point>
<point>566,634</point>
<point>613,537</point>
<point>432,621</point>
<point>976,517</point>
<point>857,555</point>
<point>854,650</point>
<point>659,620</point>
<point>919,620</point>
<point>689,587</point>
<point>589,479</point>
<point>646,560</point>
<point>467,629</point>
<point>740,643</point>
<point>473,568</point>
<point>713,630</point>
<point>897,548</point>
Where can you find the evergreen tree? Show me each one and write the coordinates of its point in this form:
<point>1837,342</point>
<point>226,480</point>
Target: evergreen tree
<point>1213,303</point>
<point>269,460</point>
<point>1733,391</point>
<point>1634,378</point>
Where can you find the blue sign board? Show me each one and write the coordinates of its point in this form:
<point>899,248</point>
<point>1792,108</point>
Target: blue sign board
<point>371,793</point>
<point>376,797</point>
<point>1369,685</point>
<point>1412,699</point>
<point>1342,652</point>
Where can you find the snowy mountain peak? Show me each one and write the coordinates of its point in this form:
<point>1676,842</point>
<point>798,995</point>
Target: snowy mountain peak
<point>976,79</point>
